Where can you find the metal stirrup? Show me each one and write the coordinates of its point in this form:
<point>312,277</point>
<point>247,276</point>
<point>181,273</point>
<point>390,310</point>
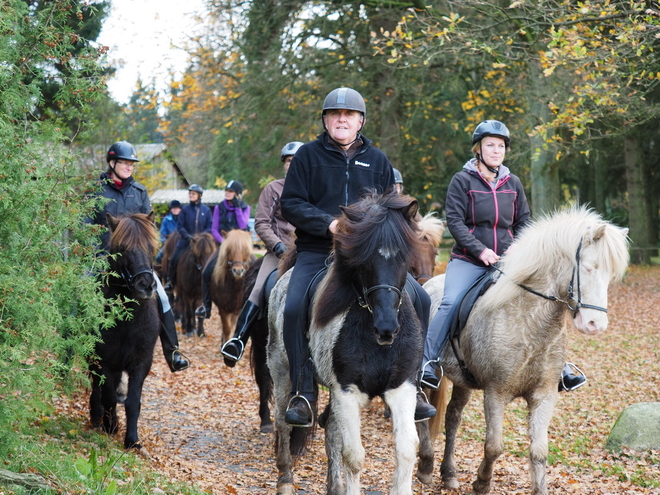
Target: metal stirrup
<point>309,406</point>
<point>231,356</point>
<point>421,376</point>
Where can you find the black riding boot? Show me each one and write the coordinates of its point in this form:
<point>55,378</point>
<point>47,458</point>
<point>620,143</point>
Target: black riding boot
<point>204,310</point>
<point>168,339</point>
<point>572,378</point>
<point>233,349</point>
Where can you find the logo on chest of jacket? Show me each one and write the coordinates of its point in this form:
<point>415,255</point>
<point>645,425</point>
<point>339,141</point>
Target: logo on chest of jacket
<point>362,163</point>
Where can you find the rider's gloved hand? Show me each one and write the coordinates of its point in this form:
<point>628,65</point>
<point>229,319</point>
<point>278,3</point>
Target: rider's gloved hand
<point>279,249</point>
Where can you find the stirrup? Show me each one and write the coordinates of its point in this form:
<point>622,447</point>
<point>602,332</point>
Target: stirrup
<point>579,374</point>
<point>229,355</point>
<point>432,386</point>
<point>311,422</point>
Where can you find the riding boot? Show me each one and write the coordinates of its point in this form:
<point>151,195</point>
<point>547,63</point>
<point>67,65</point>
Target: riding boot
<point>168,339</point>
<point>572,378</point>
<point>204,310</point>
<point>423,410</point>
<point>233,349</point>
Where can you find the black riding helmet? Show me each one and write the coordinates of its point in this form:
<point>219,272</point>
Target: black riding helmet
<point>346,99</point>
<point>196,188</point>
<point>122,150</point>
<point>491,128</point>
<point>234,185</point>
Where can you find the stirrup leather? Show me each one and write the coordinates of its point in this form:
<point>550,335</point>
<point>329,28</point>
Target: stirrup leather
<point>427,384</point>
<point>229,355</point>
<point>309,406</point>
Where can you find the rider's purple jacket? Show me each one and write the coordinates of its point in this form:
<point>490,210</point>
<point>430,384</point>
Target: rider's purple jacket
<point>484,215</point>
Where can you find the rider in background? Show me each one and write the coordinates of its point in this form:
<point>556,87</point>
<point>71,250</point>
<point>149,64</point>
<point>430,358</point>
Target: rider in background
<point>231,214</point>
<point>335,169</point>
<point>126,197</point>
<point>276,233</point>
<point>194,218</point>
<point>486,208</point>
<point>398,181</point>
<point>168,225</point>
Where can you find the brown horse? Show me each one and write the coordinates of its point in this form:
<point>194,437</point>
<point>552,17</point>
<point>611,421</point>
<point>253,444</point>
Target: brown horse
<point>188,286</point>
<point>513,342</point>
<point>234,258</point>
<point>422,264</point>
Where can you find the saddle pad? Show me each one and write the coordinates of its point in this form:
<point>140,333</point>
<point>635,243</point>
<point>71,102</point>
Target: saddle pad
<point>460,311</point>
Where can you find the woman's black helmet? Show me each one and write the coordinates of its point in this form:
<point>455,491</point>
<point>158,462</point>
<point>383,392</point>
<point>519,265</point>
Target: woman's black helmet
<point>196,188</point>
<point>122,150</point>
<point>491,128</point>
<point>234,185</point>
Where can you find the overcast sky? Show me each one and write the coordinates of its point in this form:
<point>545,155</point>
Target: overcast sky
<point>143,36</point>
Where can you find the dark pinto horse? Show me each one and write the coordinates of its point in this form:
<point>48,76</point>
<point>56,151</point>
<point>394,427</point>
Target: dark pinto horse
<point>188,286</point>
<point>513,341</point>
<point>128,346</point>
<point>365,340</point>
<point>234,258</point>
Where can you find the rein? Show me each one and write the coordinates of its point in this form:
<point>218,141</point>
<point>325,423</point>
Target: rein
<point>571,295</point>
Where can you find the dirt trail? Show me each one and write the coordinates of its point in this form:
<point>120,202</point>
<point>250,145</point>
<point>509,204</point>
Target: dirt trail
<point>202,425</point>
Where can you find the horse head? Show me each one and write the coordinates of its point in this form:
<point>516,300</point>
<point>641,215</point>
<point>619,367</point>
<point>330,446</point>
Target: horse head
<point>236,252</point>
<point>422,263</point>
<point>133,241</point>
<point>203,246</point>
<point>374,241</point>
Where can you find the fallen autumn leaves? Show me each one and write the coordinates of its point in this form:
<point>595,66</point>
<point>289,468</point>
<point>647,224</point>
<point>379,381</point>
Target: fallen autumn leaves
<point>201,425</point>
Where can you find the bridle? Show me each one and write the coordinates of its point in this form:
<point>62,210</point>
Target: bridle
<point>575,283</point>
<point>128,278</point>
<point>363,300</point>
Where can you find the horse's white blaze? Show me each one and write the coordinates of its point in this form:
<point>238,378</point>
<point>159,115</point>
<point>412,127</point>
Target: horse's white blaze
<point>386,253</point>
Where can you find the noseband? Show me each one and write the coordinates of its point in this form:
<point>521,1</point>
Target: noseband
<point>129,278</point>
<point>363,300</point>
<point>571,294</point>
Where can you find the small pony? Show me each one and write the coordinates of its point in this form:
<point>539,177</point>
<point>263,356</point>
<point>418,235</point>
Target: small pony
<point>234,259</point>
<point>365,340</point>
<point>422,264</point>
<point>128,346</point>
<point>513,341</point>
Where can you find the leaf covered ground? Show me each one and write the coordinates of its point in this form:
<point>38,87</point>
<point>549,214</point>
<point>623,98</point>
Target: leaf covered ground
<point>202,425</point>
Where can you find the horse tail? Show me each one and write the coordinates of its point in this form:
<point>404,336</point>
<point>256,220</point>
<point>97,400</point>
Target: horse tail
<point>439,399</point>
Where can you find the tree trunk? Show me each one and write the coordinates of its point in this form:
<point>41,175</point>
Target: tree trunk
<point>639,215</point>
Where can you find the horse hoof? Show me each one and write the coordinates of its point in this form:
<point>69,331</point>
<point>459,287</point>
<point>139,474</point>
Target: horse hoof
<point>190,334</point>
<point>286,489</point>
<point>142,452</point>
<point>451,484</point>
<point>425,478</point>
<point>266,428</point>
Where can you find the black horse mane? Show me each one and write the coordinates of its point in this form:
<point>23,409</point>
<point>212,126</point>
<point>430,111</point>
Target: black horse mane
<point>134,233</point>
<point>377,222</point>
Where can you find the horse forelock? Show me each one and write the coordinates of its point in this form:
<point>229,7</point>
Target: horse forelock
<point>376,225</point>
<point>237,246</point>
<point>134,233</point>
<point>546,250</point>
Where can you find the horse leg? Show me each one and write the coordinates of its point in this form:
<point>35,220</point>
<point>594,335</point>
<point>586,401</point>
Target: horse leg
<point>333,450</point>
<point>95,405</point>
<point>426,453</point>
<point>133,404</point>
<point>346,406</point>
<point>109,402</point>
<point>402,402</point>
<point>540,413</point>
<point>494,414</point>
<point>459,398</point>
<point>200,327</point>
<point>261,374</point>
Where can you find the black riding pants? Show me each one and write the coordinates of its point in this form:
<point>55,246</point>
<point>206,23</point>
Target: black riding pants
<point>206,278</point>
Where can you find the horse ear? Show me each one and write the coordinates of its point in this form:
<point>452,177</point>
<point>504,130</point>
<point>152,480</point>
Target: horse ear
<point>599,232</point>
<point>411,209</point>
<point>112,222</point>
<point>152,217</point>
<point>224,234</point>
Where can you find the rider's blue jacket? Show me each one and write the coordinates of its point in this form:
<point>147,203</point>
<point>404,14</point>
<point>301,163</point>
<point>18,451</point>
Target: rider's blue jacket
<point>321,178</point>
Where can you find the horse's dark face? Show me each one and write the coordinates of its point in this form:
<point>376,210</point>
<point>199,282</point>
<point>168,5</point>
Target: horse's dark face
<point>136,272</point>
<point>382,288</point>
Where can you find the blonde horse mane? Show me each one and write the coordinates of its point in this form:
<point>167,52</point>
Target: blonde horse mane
<point>431,229</point>
<point>236,246</point>
<point>546,249</point>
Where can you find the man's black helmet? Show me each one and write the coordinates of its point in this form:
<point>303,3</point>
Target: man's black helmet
<point>290,149</point>
<point>122,150</point>
<point>398,178</point>
<point>345,98</point>
<point>491,128</point>
<point>196,188</point>
<point>234,185</point>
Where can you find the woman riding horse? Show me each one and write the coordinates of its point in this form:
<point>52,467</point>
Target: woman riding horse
<point>332,171</point>
<point>486,207</point>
